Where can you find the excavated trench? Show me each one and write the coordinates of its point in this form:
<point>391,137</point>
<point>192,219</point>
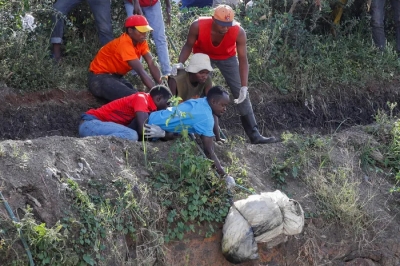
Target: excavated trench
<point>57,112</point>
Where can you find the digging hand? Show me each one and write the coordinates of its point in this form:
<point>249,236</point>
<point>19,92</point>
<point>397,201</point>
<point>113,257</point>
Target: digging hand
<point>242,95</point>
<point>153,131</point>
<point>230,182</point>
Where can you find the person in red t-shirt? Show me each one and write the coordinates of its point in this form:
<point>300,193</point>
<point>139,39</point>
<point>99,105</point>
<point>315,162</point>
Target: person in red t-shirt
<point>224,41</point>
<point>124,117</point>
<point>118,57</point>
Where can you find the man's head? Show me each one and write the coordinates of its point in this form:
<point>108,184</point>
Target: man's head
<point>223,18</point>
<point>137,27</point>
<point>218,99</point>
<point>200,67</point>
<point>161,96</point>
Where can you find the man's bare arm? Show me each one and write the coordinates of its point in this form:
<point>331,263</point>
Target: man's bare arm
<point>168,11</point>
<point>141,119</point>
<point>138,67</point>
<point>190,40</point>
<point>154,70</point>
<point>242,57</point>
<point>208,144</point>
<point>172,86</point>
<point>137,10</point>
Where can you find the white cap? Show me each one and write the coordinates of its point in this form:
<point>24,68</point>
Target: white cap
<point>198,62</point>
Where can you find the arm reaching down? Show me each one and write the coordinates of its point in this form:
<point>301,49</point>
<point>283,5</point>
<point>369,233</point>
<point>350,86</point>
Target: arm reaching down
<point>154,70</point>
<point>138,67</point>
<point>209,151</point>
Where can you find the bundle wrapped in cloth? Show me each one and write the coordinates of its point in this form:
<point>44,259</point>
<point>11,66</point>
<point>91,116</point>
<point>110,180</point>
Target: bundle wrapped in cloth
<point>268,218</point>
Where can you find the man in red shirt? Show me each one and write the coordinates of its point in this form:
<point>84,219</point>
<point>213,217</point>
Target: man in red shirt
<point>224,41</point>
<point>118,57</point>
<point>124,117</point>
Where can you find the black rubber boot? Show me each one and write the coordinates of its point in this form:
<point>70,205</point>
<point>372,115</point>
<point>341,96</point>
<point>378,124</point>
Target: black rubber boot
<point>250,127</point>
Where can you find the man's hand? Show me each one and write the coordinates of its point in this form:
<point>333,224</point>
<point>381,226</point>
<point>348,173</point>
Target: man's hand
<point>175,68</point>
<point>153,131</point>
<point>242,95</point>
<point>230,182</point>
<point>220,141</point>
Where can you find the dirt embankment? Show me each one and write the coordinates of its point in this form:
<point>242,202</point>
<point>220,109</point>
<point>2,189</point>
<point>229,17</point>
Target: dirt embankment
<point>39,144</point>
<point>57,112</point>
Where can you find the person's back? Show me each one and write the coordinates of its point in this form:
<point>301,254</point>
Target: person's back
<point>195,115</point>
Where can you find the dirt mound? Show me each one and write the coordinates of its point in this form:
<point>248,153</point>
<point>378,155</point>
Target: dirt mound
<point>38,171</point>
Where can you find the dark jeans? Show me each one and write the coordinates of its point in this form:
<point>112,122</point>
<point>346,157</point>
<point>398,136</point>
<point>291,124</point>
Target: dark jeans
<point>101,10</point>
<point>230,71</point>
<point>377,22</point>
<point>109,86</point>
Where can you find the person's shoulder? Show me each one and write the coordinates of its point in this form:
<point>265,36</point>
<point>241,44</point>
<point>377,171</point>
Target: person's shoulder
<point>138,96</point>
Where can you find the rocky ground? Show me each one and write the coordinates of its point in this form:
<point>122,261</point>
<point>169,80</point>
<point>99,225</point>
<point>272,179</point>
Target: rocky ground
<point>39,145</point>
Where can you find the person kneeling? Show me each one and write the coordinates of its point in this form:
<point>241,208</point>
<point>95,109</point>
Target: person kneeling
<point>197,116</point>
<point>125,117</point>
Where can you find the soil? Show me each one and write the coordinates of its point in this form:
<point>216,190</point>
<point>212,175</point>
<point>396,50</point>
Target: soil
<point>39,142</point>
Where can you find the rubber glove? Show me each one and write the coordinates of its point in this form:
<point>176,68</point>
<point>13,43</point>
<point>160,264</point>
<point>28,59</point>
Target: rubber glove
<point>175,68</point>
<point>242,95</point>
<point>230,182</point>
<point>153,131</point>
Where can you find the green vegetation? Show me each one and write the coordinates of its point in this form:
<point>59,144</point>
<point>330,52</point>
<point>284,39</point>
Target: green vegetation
<point>292,53</point>
<point>289,53</point>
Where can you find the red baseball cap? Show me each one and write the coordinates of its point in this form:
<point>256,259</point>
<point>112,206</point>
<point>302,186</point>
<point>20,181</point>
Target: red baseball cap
<point>139,22</point>
<point>223,15</point>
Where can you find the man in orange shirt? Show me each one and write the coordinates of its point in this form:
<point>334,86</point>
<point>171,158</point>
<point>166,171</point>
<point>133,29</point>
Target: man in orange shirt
<point>118,57</point>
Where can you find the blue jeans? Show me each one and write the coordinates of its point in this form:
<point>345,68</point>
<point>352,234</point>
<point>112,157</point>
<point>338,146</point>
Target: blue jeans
<point>101,10</point>
<point>377,22</point>
<point>230,71</point>
<point>155,18</point>
<point>91,126</point>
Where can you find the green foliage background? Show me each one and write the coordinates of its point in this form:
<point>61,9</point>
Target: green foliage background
<point>300,53</point>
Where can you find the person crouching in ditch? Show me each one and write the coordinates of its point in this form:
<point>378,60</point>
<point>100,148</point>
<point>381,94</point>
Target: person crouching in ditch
<point>125,117</point>
<point>195,116</point>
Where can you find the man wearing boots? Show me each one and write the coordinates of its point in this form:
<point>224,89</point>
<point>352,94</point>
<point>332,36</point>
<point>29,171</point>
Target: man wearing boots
<point>224,41</point>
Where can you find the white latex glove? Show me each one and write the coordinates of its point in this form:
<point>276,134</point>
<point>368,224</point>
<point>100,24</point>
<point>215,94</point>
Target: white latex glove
<point>175,67</point>
<point>230,182</point>
<point>153,131</point>
<point>242,95</point>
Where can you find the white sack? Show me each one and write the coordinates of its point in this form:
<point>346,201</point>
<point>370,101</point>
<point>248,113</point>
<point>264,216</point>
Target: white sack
<point>238,244</point>
<point>277,196</point>
<point>262,213</point>
<point>293,218</point>
<point>269,235</point>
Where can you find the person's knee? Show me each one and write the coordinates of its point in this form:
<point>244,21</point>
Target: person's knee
<point>377,23</point>
<point>95,86</point>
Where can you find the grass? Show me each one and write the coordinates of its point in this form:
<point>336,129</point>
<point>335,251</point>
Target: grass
<point>288,54</point>
<point>285,53</point>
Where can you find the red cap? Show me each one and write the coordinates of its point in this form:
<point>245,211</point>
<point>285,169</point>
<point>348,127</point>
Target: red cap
<point>139,22</point>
